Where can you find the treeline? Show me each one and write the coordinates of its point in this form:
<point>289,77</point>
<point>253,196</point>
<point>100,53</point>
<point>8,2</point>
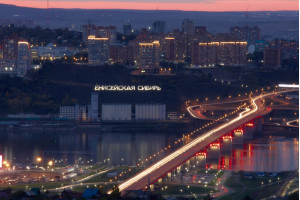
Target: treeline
<point>42,36</point>
<point>55,85</point>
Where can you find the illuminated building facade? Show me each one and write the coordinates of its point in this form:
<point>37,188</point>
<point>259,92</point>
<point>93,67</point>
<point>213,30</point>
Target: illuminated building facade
<point>148,57</point>
<point>9,55</point>
<point>209,54</point>
<point>1,52</point>
<point>169,47</point>
<point>109,32</point>
<point>51,52</point>
<point>232,53</point>
<point>23,61</point>
<point>10,49</point>
<point>121,54</point>
<point>98,50</point>
<point>174,47</point>
<point>8,66</point>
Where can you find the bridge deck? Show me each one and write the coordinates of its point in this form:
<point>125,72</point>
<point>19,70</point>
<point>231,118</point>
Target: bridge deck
<point>175,159</point>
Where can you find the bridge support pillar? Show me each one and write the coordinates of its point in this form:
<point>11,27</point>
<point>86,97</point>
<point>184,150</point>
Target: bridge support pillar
<point>178,169</point>
<point>201,159</point>
<point>248,132</point>
<point>226,144</point>
<point>213,151</point>
<point>169,175</point>
<point>237,136</point>
<point>159,181</point>
<point>188,164</point>
<point>258,124</point>
<point>152,187</point>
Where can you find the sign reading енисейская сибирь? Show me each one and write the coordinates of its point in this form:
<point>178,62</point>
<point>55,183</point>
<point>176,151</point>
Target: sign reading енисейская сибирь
<point>127,88</point>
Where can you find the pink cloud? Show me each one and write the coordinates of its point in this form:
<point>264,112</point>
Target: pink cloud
<point>224,5</point>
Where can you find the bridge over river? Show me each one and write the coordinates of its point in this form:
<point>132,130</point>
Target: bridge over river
<point>245,116</point>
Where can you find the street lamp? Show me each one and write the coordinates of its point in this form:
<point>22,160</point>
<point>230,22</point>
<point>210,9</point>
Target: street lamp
<point>39,159</point>
<point>50,163</point>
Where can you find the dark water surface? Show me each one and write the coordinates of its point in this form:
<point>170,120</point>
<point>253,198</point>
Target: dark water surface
<point>260,154</point>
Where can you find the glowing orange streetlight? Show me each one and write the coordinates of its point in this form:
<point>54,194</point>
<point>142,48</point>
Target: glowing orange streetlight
<point>50,163</point>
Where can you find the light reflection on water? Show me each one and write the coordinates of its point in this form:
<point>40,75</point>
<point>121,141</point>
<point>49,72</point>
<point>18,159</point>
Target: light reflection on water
<point>260,154</point>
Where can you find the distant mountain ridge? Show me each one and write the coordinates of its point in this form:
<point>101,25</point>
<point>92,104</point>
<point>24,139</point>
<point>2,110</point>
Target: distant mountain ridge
<point>279,24</point>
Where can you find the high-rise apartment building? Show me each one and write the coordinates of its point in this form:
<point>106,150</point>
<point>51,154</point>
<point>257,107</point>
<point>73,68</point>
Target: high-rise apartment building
<point>159,26</point>
<point>169,48</point>
<point>8,67</point>
<point>188,27</point>
<point>271,58</point>
<point>127,29</point>
<point>249,34</point>
<point>148,57</point>
<point>1,52</point>
<point>209,54</point>
<point>109,32</point>
<point>98,50</point>
<point>121,54</point>
<point>23,61</point>
<point>173,46</point>
<point>10,49</point>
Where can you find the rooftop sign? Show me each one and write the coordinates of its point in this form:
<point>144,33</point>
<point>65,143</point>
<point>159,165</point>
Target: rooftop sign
<point>127,88</point>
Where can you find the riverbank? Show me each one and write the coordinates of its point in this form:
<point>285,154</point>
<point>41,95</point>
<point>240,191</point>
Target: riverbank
<point>105,126</point>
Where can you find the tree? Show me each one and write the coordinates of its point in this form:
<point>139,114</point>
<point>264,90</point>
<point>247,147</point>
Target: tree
<point>208,197</point>
<point>247,197</point>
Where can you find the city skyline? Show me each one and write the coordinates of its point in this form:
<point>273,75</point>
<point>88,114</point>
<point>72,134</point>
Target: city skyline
<point>167,103</point>
<point>190,5</point>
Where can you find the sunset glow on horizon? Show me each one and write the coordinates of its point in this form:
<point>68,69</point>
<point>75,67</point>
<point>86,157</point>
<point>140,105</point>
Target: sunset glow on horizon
<point>188,5</point>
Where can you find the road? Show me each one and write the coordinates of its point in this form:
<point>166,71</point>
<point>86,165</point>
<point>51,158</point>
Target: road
<point>291,123</point>
<point>212,106</point>
<point>178,157</point>
<point>79,182</point>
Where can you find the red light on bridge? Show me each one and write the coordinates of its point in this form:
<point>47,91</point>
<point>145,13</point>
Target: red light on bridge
<point>250,124</point>
<point>202,154</point>
<point>239,131</point>
<point>214,145</point>
<point>227,137</point>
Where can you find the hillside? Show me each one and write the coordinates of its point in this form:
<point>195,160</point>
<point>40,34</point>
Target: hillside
<point>56,85</point>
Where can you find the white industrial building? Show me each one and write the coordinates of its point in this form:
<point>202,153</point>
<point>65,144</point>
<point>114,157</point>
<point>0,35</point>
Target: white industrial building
<point>81,113</point>
<point>116,112</point>
<point>78,113</point>
<point>123,112</point>
<point>150,112</point>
